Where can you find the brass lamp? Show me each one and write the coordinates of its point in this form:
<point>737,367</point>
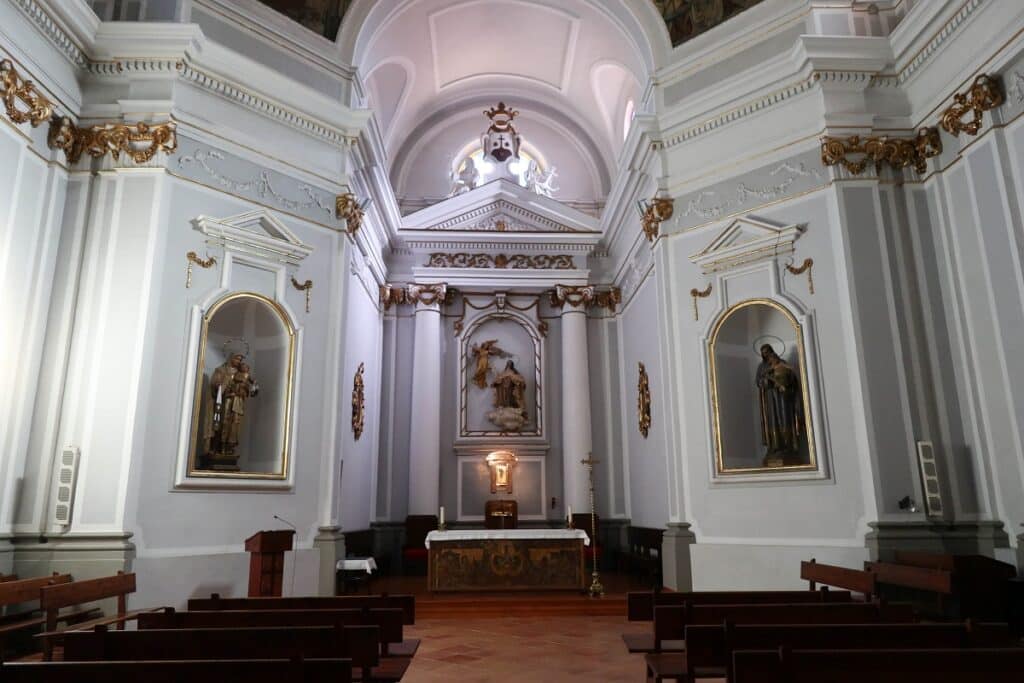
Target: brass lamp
<point>501,463</point>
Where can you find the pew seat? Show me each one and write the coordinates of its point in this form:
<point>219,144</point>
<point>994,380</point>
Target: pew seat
<point>196,671</point>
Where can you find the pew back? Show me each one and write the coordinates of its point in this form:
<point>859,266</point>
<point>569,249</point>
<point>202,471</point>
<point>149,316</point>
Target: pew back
<point>841,577</point>
<point>16,591</point>
<point>406,603</point>
<point>640,605</point>
<point>215,671</point>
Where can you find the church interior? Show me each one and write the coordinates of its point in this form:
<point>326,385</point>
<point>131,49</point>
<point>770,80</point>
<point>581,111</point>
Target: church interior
<point>387,340</point>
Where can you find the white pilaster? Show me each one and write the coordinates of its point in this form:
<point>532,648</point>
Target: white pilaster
<point>576,434</point>
<point>425,444</point>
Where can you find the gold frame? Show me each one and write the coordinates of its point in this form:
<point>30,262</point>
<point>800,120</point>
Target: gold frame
<point>191,470</point>
<point>720,468</point>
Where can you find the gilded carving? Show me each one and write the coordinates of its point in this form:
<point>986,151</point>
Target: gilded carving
<point>346,206</point>
<point>808,267</point>
<point>16,90</point>
<point>428,295</point>
<point>549,564</point>
<point>192,257</point>
<point>358,403</point>
<point>699,294</point>
<point>854,153</point>
<point>609,298</point>
<point>655,212</point>
<point>643,401</point>
<point>572,295</point>
<point>985,93</point>
<point>306,287</point>
<point>141,141</point>
<point>501,261</point>
<point>392,295</point>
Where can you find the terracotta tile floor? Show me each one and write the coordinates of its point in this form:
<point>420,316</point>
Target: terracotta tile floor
<point>524,649</point>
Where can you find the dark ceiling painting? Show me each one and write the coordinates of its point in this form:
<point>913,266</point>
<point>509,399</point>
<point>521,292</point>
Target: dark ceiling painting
<point>320,16</point>
<point>689,18</point>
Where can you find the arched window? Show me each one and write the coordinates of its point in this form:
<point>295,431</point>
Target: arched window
<point>627,119</point>
<point>485,168</point>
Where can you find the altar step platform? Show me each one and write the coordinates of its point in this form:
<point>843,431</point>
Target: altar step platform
<point>519,605</point>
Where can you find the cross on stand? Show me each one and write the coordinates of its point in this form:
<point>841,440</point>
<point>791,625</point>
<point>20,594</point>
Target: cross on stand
<point>596,590</point>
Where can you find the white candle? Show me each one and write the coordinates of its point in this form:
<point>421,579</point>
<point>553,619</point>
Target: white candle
<point>568,513</point>
<point>441,520</point>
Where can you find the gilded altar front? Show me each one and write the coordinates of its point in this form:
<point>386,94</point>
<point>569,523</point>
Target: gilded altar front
<point>507,561</point>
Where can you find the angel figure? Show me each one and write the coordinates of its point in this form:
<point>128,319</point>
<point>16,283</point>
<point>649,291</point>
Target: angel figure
<point>483,353</point>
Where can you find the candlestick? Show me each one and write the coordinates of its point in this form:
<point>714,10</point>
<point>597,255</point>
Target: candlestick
<point>596,590</point>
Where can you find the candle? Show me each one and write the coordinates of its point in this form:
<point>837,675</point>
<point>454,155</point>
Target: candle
<point>568,513</point>
<point>441,521</point>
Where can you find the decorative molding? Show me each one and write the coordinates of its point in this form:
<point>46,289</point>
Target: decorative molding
<point>575,297</point>
<point>14,89</point>
<point>808,266</point>
<point>655,212</point>
<point>141,142</point>
<point>261,186</point>
<point>742,193</point>
<point>192,257</point>
<point>501,215</point>
<point>54,33</point>
<point>306,287</point>
<point>257,233</point>
<point>501,261</point>
<point>746,240</point>
<point>392,295</point>
<point>347,208</point>
<point>608,298</point>
<point>854,152</point>
<point>699,294</point>
<point>985,93</point>
<point>926,52</point>
<point>428,294</point>
<point>643,401</point>
<point>358,403</point>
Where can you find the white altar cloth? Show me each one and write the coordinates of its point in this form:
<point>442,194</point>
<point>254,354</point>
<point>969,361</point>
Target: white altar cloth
<point>502,534</point>
<point>358,564</point>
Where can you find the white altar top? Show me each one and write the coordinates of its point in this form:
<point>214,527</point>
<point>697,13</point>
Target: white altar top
<point>357,564</point>
<point>500,534</point>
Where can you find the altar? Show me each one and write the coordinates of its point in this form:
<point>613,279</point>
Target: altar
<point>507,560</point>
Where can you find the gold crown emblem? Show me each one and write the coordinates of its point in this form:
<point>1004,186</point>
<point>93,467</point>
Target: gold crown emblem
<point>501,118</point>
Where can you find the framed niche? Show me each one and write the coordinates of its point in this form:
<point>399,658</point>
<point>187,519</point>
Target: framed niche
<point>243,361</point>
<point>760,357</point>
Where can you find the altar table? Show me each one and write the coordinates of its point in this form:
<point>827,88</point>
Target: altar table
<point>507,560</point>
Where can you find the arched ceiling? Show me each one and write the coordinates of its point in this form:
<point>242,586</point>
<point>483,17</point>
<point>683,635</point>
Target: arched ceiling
<point>569,66</point>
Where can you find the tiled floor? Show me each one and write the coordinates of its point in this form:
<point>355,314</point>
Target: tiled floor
<point>524,649</point>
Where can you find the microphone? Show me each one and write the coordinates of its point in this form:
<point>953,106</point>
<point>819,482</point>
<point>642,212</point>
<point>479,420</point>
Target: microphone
<point>282,519</point>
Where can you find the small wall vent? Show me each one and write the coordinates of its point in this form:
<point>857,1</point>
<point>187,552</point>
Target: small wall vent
<point>67,474</point>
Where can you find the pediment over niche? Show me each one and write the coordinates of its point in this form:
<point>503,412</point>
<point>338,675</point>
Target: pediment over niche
<point>255,232</point>
<point>746,240</point>
<point>500,206</point>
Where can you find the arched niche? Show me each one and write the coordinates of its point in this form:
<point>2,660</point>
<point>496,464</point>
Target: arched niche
<point>245,375</point>
<point>761,405</point>
<point>520,343</point>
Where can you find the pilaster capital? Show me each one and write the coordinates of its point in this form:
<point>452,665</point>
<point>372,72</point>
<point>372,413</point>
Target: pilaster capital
<point>392,295</point>
<point>426,295</point>
<point>578,298</point>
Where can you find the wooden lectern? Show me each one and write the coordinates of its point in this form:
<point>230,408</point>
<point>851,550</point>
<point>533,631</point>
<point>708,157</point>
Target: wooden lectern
<point>266,563</point>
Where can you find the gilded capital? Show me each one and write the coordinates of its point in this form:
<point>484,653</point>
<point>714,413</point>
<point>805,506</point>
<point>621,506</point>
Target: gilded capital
<point>656,211</point>
<point>22,100</point>
<point>985,93</point>
<point>392,295</point>
<point>428,295</point>
<point>141,141</point>
<point>854,153</point>
<point>347,207</point>
<point>576,297</point>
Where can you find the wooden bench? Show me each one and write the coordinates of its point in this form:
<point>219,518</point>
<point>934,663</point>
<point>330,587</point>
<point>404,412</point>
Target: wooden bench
<point>840,577</point>
<point>388,620</point>
<point>878,666</point>
<point>642,554</point>
<point>8,577</point>
<point>640,606</point>
<point>709,648</point>
<point>406,603</point>
<point>54,598</point>
<point>359,644</point>
<point>670,622</point>
<point>27,592</point>
<point>203,671</point>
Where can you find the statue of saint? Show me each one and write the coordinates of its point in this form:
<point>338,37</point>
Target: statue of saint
<point>231,385</point>
<point>781,409</point>
<point>467,179</point>
<point>509,399</point>
<point>482,353</point>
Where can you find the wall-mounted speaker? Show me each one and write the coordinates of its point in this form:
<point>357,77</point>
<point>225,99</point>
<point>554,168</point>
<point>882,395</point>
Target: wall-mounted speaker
<point>67,475</point>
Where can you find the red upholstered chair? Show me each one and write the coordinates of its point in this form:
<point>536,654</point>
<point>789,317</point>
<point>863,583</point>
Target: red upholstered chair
<point>581,520</point>
<point>414,553</point>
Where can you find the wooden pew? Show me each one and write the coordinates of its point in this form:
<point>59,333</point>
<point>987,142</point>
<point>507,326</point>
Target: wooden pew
<point>709,648</point>
<point>840,577</point>
<point>388,620</point>
<point>640,606</point>
<point>670,622</point>
<point>878,666</point>
<point>406,603</point>
<point>26,592</point>
<point>54,598</point>
<point>8,577</point>
<point>355,643</point>
<point>202,671</point>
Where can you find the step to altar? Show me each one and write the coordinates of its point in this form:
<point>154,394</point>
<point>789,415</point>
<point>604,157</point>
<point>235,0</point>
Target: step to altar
<point>465,606</point>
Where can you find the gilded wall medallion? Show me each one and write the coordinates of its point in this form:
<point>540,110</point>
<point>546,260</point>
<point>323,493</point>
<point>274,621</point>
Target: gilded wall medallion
<point>643,401</point>
<point>358,403</point>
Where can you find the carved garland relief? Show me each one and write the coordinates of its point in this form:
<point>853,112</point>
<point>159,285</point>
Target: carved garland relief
<point>17,91</point>
<point>985,93</point>
<point>501,261</point>
<point>643,401</point>
<point>854,153</point>
<point>358,403</point>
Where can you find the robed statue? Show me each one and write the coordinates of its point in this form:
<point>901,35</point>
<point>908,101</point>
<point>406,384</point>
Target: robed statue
<point>482,353</point>
<point>509,399</point>
<point>781,409</point>
<point>231,386</point>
